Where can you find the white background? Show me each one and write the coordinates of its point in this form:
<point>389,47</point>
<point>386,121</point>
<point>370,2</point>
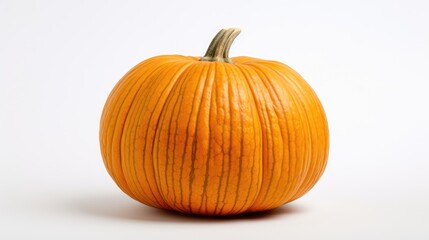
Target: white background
<point>367,60</point>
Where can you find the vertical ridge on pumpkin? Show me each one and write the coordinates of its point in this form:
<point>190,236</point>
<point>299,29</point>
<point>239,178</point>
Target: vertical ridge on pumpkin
<point>288,120</point>
<point>319,158</point>
<point>107,105</point>
<point>209,93</point>
<point>226,137</point>
<point>177,105</point>
<point>194,175</point>
<point>238,119</point>
<point>134,140</point>
<point>161,173</point>
<point>140,182</point>
<point>232,189</point>
<point>273,133</point>
<point>261,101</point>
<point>249,142</point>
<point>206,132</point>
<point>163,136</point>
<point>124,92</point>
<point>255,93</point>
<point>189,133</point>
<point>238,150</point>
<point>302,140</point>
<point>314,152</point>
<point>154,125</point>
<point>153,103</point>
<point>184,133</point>
<point>109,109</point>
<point>230,140</point>
<point>163,151</point>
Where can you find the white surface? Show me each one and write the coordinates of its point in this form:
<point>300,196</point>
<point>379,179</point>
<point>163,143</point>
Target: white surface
<point>367,60</point>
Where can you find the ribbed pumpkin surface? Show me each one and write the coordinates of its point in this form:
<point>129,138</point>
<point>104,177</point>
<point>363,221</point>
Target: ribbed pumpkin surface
<point>213,138</point>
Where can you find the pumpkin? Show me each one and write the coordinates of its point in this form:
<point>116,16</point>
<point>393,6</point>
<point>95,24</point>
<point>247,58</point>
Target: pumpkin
<point>214,135</point>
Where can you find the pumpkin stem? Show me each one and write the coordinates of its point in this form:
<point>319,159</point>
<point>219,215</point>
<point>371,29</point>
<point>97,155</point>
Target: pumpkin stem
<point>218,50</point>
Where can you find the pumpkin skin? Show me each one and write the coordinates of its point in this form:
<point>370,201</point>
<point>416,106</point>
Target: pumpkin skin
<point>214,137</point>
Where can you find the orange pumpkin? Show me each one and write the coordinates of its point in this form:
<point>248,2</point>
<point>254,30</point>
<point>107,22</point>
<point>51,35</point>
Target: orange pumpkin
<point>214,135</point>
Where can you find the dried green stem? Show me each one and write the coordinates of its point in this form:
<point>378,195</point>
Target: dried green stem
<point>218,50</point>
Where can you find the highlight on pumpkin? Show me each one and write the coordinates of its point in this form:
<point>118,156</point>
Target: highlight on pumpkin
<point>214,135</point>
